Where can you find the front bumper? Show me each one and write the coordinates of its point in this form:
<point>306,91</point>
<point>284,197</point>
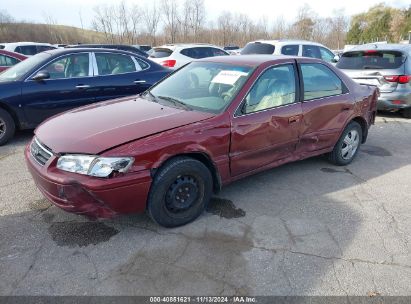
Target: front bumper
<point>90,196</point>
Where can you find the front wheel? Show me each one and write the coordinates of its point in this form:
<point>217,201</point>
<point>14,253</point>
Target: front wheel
<point>180,192</point>
<point>7,126</point>
<point>347,146</point>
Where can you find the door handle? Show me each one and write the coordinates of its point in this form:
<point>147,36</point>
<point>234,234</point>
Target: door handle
<point>82,86</point>
<point>294,119</point>
<point>139,81</point>
<point>345,109</point>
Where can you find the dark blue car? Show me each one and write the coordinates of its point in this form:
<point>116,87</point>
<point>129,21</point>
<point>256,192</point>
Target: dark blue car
<point>55,81</point>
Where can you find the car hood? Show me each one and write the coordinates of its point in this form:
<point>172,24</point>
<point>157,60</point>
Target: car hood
<point>101,126</point>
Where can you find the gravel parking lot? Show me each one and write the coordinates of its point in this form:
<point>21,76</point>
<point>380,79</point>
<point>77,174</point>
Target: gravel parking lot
<point>307,228</point>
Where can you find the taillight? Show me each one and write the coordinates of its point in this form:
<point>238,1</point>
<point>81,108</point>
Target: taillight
<point>169,63</point>
<point>398,78</point>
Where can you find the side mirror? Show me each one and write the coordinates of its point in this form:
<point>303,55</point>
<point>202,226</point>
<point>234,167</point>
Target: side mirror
<point>335,59</point>
<point>41,75</point>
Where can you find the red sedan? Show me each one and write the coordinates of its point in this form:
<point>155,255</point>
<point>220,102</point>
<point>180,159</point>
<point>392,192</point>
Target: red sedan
<point>208,124</point>
<point>8,59</point>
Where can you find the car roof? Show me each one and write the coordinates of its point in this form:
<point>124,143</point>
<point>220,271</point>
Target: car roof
<point>173,46</point>
<point>57,52</point>
<point>25,43</point>
<point>382,46</point>
<point>286,41</point>
<point>13,54</point>
<point>250,60</point>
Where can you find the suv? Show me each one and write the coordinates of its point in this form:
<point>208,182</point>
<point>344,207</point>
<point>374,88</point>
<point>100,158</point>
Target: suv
<point>385,66</point>
<point>177,55</point>
<point>27,48</point>
<point>290,47</point>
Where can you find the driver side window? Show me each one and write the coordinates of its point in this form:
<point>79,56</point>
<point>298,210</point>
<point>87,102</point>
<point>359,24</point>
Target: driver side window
<point>71,66</point>
<point>275,87</point>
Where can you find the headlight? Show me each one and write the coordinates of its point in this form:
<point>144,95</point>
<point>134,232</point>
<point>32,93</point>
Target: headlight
<point>94,165</point>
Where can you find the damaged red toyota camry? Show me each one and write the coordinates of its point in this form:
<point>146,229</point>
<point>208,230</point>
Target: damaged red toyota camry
<point>208,124</point>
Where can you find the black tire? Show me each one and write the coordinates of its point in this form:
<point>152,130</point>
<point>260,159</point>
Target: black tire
<point>338,156</point>
<point>180,192</point>
<point>406,113</point>
<point>7,127</point>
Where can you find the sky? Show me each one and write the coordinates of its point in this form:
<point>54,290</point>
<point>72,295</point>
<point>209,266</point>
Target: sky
<point>68,12</point>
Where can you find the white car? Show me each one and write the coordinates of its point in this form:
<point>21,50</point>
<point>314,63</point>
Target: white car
<point>176,55</point>
<point>290,47</point>
<point>27,48</point>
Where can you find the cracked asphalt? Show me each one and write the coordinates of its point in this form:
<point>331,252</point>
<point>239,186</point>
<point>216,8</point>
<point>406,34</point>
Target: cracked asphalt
<point>307,228</point>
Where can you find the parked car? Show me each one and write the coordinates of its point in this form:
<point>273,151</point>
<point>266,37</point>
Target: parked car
<point>208,124</point>
<point>231,48</point>
<point>8,59</point>
<point>27,48</point>
<point>122,47</point>
<point>55,81</point>
<point>177,55</point>
<point>387,66</point>
<point>290,47</point>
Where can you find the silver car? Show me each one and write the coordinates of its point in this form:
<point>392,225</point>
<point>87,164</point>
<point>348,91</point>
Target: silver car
<point>387,66</point>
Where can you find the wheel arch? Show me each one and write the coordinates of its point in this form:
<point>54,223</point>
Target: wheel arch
<point>201,157</point>
<point>13,114</point>
<point>364,127</point>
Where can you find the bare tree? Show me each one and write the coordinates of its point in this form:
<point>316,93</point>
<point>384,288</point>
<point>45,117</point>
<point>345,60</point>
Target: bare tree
<point>151,19</point>
<point>170,12</point>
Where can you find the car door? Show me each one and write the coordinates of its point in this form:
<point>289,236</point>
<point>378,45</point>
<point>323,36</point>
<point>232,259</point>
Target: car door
<point>70,85</point>
<point>265,129</point>
<point>119,75</point>
<point>326,106</point>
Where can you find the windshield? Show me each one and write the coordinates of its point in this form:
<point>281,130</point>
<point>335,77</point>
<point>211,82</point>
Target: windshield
<point>258,48</point>
<point>202,86</point>
<point>372,59</point>
<point>22,68</point>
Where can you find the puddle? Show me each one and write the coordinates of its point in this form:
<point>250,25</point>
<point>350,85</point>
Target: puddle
<point>224,208</point>
<point>375,151</point>
<point>73,234</point>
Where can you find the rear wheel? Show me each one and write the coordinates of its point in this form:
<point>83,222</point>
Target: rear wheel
<point>180,192</point>
<point>347,146</point>
<point>406,113</point>
<point>7,126</point>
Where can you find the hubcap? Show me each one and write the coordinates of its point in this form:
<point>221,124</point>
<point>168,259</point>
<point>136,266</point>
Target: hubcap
<point>182,194</point>
<point>2,128</point>
<point>350,144</point>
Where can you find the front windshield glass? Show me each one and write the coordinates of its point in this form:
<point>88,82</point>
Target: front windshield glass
<point>22,68</point>
<point>202,86</point>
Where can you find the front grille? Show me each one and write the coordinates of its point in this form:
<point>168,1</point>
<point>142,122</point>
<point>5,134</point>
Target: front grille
<point>39,152</point>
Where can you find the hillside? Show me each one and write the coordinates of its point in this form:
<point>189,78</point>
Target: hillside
<point>11,32</point>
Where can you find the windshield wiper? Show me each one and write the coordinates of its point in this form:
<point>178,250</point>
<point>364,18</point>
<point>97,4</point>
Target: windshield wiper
<point>176,102</point>
<point>151,96</point>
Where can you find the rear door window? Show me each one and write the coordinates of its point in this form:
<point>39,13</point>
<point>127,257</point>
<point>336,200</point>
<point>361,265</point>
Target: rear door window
<point>312,51</point>
<point>198,52</point>
<point>161,53</point>
<point>291,50</point>
<point>371,59</point>
<point>113,64</point>
<point>320,81</point>
<point>8,61</point>
<point>42,48</point>
<point>27,49</point>
<point>258,48</point>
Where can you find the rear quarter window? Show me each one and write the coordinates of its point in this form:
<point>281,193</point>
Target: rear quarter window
<point>372,59</point>
<point>258,48</point>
